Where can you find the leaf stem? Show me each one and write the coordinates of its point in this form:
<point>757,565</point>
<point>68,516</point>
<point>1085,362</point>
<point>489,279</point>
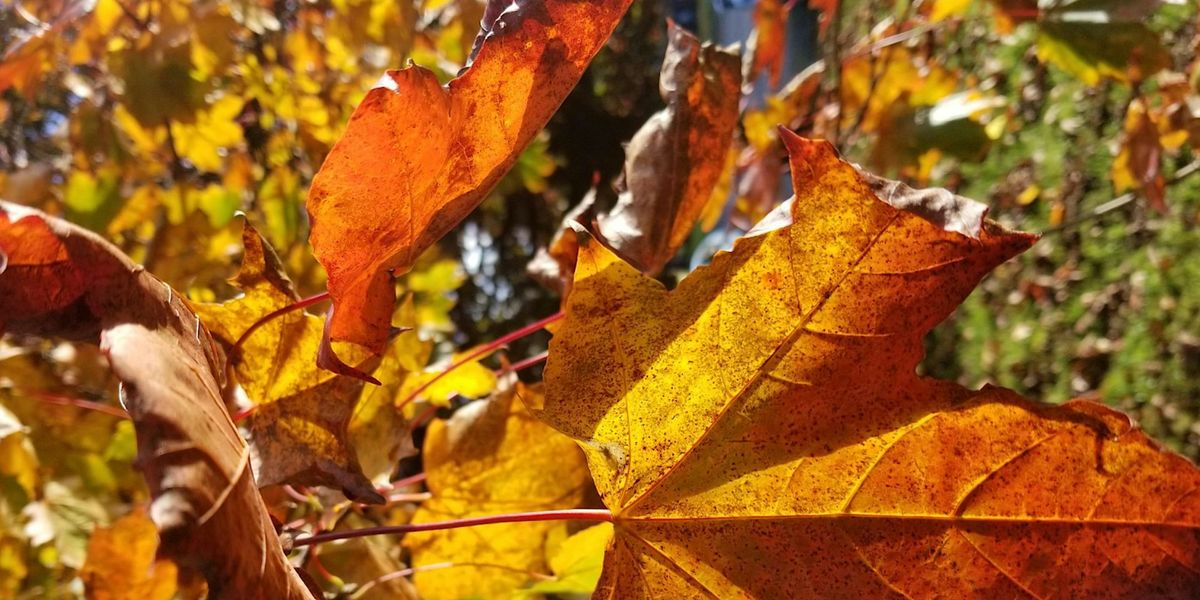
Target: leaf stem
<point>483,351</point>
<point>528,362</point>
<point>267,318</point>
<point>242,414</point>
<point>577,514</point>
<point>58,400</point>
<point>407,481</point>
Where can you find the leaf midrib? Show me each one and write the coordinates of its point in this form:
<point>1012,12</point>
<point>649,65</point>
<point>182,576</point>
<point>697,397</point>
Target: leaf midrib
<point>928,517</point>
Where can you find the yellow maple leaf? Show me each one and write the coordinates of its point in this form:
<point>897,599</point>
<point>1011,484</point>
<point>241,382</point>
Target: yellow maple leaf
<point>492,456</point>
<point>761,431</point>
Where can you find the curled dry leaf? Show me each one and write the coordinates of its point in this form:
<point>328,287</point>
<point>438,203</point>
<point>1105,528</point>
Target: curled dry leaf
<point>492,457</point>
<point>675,159</point>
<point>671,165</point>
<point>298,426</point>
<point>760,431</point>
<point>1138,165</point>
<point>69,283</point>
<point>416,157</point>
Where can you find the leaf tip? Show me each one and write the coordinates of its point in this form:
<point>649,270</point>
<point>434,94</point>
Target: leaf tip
<point>328,359</point>
<point>800,148</point>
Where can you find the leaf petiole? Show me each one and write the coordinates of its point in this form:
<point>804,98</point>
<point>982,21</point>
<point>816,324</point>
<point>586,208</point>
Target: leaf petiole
<point>267,318</point>
<point>483,351</point>
<point>576,514</point>
<point>59,400</point>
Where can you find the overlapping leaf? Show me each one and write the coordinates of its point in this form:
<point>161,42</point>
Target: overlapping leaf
<point>577,563</point>
<point>1094,39</point>
<point>767,43</point>
<point>172,376</point>
<point>1138,165</point>
<point>491,457</point>
<point>417,157</point>
<point>378,431</point>
<point>760,431</point>
<point>671,165</point>
<point>298,427</point>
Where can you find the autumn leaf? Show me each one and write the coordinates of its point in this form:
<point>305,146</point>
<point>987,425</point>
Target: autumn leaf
<point>767,45</point>
<point>25,61</point>
<point>18,463</point>
<point>121,562</point>
<point>299,424</point>
<point>671,164</point>
<point>576,563</point>
<point>172,382</point>
<point>492,456</point>
<point>875,88</point>
<point>1098,39</point>
<point>759,162</point>
<point>1138,165</point>
<point>378,431</point>
<point>765,433</point>
<point>417,157</point>
<point>439,385</point>
<point>39,275</point>
<point>366,563</point>
<point>675,159</point>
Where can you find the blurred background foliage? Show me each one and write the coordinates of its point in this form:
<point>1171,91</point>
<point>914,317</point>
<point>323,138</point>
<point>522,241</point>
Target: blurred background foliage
<point>155,122</point>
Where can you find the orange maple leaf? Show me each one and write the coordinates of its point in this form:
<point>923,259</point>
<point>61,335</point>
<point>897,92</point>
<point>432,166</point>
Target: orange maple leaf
<point>767,45</point>
<point>416,157</point>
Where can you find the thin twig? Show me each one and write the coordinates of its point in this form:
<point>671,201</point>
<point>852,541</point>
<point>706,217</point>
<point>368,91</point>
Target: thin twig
<point>407,481</point>
<point>1122,200</point>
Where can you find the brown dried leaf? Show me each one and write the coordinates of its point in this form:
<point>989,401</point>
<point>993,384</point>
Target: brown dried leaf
<point>206,507</point>
<point>672,163</point>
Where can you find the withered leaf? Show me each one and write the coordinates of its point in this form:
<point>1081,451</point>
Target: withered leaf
<point>1138,165</point>
<point>172,376</point>
<point>768,42</point>
<point>671,164</point>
